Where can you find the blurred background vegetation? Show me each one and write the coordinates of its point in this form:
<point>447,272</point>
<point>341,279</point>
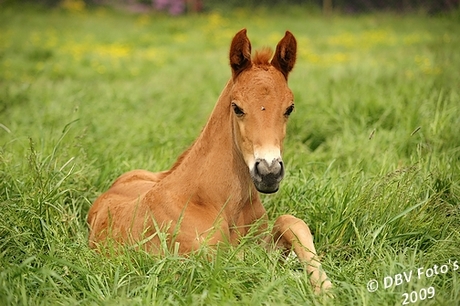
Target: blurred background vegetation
<point>326,6</point>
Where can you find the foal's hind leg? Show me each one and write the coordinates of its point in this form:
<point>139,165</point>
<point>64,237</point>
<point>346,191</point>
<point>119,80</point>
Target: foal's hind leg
<point>292,233</point>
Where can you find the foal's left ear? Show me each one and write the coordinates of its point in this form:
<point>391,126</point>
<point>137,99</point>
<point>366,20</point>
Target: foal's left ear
<point>285,54</point>
<point>240,53</point>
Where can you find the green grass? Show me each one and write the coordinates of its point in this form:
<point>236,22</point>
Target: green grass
<point>372,152</point>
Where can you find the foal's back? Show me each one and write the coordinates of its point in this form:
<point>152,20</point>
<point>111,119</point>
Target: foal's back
<point>120,202</point>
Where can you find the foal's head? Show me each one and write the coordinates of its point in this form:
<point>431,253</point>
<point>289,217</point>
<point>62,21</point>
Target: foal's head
<point>261,103</point>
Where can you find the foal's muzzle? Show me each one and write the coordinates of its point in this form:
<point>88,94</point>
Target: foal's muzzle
<point>267,175</point>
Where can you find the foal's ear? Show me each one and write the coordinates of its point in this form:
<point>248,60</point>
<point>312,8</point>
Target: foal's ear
<point>285,54</point>
<point>240,53</point>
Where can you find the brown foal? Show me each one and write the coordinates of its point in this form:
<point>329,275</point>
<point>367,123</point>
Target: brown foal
<point>211,193</point>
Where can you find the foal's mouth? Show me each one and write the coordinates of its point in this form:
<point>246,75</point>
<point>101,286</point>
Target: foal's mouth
<point>266,188</point>
<point>267,176</point>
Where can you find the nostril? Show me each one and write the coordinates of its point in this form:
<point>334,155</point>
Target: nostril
<point>281,168</point>
<point>261,168</point>
<point>256,167</point>
<point>277,167</point>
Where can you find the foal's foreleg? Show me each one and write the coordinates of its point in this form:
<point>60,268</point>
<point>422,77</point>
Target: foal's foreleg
<point>293,233</point>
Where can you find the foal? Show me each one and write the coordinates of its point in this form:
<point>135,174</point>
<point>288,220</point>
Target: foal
<point>211,193</point>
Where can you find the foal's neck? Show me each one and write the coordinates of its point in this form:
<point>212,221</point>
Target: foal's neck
<point>213,167</point>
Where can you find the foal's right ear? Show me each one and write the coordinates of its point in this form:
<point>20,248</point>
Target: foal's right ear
<point>240,53</point>
<point>285,54</point>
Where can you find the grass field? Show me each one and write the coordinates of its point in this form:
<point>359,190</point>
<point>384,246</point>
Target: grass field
<point>372,153</point>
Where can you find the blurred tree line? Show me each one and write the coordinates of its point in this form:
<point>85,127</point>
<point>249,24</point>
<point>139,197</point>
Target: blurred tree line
<point>354,5</point>
<point>327,6</point>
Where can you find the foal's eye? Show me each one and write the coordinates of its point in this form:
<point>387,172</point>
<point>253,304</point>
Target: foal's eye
<point>238,111</point>
<point>289,110</point>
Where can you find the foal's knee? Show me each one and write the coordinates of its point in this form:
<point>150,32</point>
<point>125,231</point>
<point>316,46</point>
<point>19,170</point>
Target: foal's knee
<point>287,223</point>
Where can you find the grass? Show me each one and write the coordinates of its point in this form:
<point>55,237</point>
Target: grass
<point>372,153</point>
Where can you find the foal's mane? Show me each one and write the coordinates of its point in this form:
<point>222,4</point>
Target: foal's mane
<point>262,57</point>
